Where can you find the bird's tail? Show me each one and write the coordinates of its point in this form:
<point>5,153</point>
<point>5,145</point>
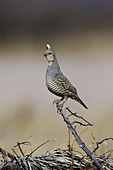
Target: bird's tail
<point>81,102</point>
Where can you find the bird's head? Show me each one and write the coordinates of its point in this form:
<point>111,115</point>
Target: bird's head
<point>50,55</point>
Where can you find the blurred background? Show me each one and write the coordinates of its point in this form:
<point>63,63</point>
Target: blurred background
<point>81,33</point>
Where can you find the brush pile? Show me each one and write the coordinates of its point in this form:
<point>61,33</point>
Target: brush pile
<point>54,159</point>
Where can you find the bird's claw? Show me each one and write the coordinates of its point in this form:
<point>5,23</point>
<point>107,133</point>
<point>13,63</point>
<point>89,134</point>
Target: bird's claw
<point>56,102</point>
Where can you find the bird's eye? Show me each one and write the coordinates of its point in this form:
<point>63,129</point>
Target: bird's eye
<point>49,53</point>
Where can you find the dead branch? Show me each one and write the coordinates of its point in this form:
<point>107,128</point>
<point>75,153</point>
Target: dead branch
<point>78,139</point>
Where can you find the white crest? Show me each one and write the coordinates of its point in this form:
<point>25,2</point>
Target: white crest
<point>48,47</point>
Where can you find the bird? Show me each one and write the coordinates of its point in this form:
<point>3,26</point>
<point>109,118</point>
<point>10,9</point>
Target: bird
<point>57,83</point>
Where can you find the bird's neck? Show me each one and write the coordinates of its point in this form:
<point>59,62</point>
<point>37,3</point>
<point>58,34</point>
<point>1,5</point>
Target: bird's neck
<point>54,68</point>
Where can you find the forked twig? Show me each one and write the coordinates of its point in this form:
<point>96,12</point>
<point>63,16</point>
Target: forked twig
<point>19,146</point>
<point>80,117</point>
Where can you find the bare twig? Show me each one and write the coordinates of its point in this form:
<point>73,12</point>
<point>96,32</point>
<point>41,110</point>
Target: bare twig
<point>78,139</point>
<point>80,123</point>
<point>80,117</point>
<point>99,143</point>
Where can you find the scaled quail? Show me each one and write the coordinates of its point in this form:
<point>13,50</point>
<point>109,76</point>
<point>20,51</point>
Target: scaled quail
<point>56,82</point>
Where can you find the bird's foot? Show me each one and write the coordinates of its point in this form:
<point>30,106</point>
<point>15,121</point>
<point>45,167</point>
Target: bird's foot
<point>56,102</point>
<point>59,104</point>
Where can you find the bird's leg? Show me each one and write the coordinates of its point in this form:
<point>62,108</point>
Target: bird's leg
<point>58,101</point>
<point>61,103</point>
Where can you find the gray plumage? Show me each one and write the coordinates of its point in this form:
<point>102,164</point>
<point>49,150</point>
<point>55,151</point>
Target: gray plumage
<point>56,82</point>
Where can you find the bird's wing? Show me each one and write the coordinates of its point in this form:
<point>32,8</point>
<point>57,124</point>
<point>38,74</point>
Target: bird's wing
<point>65,84</point>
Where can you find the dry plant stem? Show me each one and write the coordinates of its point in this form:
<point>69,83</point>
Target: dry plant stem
<point>37,148</point>
<point>18,144</point>
<point>42,145</point>
<point>78,139</point>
